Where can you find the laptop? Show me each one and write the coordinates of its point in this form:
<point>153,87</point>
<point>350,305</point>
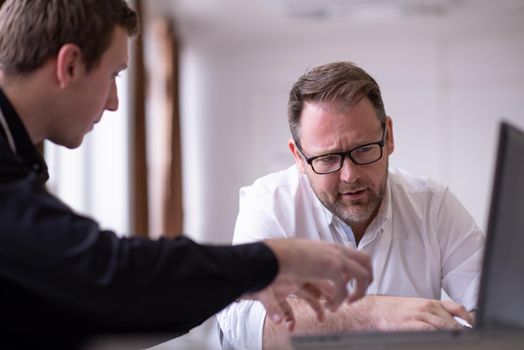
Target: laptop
<point>500,315</point>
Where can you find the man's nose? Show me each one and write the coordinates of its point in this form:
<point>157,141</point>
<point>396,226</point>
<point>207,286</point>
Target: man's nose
<point>112,99</point>
<point>349,171</point>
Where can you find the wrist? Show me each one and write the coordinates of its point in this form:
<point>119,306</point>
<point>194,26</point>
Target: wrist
<point>361,314</point>
<point>283,255</point>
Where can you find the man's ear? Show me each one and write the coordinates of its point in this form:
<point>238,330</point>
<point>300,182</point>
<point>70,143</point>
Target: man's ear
<point>299,161</point>
<point>390,141</point>
<point>68,64</point>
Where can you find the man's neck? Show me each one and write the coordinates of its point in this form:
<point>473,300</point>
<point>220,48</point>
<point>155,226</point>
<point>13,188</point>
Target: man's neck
<point>358,231</point>
<point>24,98</point>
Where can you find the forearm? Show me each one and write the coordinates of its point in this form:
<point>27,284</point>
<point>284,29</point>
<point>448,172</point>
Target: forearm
<point>348,317</point>
<point>159,284</point>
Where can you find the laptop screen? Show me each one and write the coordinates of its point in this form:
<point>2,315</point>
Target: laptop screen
<point>501,295</point>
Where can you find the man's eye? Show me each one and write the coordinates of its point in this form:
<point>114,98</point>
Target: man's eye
<point>329,159</point>
<point>364,149</point>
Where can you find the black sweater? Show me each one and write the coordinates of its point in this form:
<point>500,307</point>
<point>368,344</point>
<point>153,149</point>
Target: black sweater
<point>63,280</point>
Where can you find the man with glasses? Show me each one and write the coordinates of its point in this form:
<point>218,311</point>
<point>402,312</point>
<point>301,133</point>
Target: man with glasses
<point>341,189</point>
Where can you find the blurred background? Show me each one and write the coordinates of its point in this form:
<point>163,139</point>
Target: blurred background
<point>210,79</point>
<point>203,105</point>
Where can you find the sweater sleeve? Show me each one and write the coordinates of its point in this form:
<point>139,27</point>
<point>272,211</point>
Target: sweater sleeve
<point>118,284</point>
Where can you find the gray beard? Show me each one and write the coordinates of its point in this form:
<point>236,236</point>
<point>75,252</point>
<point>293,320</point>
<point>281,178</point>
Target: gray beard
<point>360,213</point>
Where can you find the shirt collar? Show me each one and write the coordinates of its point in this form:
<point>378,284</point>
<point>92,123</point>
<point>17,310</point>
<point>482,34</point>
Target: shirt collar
<point>24,148</point>
<point>384,211</point>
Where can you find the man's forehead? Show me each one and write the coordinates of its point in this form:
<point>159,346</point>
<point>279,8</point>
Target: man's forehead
<point>117,52</point>
<point>321,109</point>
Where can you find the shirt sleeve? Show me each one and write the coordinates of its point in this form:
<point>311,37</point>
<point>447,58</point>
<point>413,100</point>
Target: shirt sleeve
<point>462,250</point>
<point>118,284</point>
<point>256,218</point>
<point>242,323</point>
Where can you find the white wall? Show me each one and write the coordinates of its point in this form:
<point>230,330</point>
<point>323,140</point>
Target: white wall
<point>445,93</point>
<point>445,89</point>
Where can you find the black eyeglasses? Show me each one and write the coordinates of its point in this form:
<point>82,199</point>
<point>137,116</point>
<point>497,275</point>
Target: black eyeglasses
<point>361,155</point>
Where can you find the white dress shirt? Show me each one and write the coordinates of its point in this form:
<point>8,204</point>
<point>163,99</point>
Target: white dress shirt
<point>421,241</point>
